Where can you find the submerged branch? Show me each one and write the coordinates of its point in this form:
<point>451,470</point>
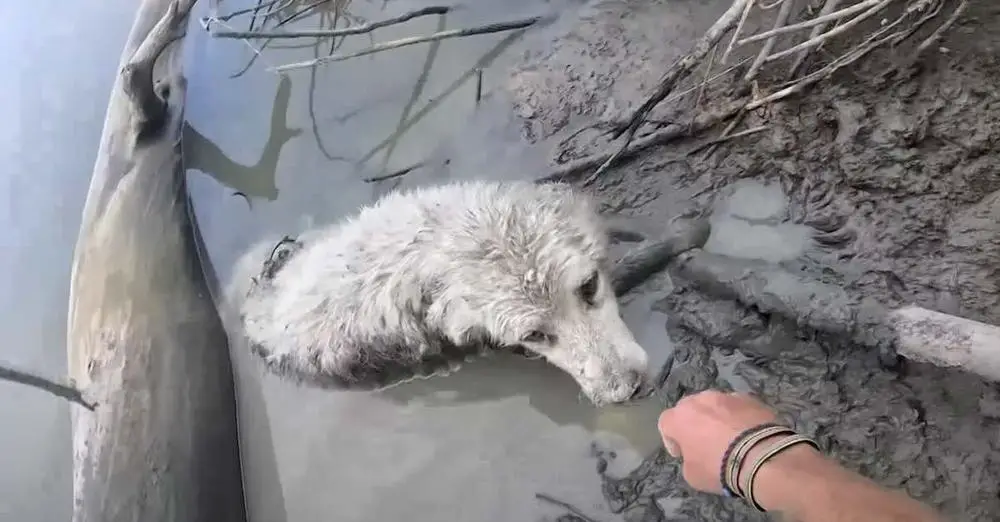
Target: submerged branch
<point>396,174</point>
<point>414,40</point>
<point>333,33</point>
<point>565,505</point>
<point>68,392</point>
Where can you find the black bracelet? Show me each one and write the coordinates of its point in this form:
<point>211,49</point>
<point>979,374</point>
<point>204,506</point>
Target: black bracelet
<point>729,453</point>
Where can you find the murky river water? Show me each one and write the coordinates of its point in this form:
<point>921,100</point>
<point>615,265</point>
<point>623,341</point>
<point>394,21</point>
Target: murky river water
<point>476,445</point>
<point>53,98</point>
<point>270,155</point>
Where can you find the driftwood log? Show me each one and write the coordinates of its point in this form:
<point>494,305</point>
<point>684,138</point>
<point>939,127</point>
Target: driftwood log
<point>912,332</point>
<point>144,338</point>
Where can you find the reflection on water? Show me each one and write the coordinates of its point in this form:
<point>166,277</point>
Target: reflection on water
<point>249,181</point>
<point>474,445</point>
<point>548,391</point>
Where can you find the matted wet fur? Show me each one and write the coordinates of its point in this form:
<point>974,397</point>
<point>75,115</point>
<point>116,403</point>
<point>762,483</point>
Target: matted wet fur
<point>420,275</point>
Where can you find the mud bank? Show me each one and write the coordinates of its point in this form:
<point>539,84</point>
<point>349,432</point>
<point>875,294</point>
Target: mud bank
<point>884,185</point>
<point>145,341</point>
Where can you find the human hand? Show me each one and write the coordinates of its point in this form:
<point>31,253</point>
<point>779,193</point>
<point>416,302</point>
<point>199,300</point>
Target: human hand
<point>700,428</point>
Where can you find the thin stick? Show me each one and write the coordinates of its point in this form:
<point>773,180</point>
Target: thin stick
<point>397,174</point>
<point>304,11</point>
<point>813,42</point>
<point>939,32</point>
<point>704,82</point>
<point>723,139</point>
<point>207,20</point>
<point>565,505</point>
<point>405,42</point>
<point>479,85</point>
<point>822,19</point>
<point>737,31</point>
<point>870,44</point>
<point>725,132</point>
<point>333,33</point>
<point>828,8</point>
<point>7,373</point>
<point>676,131</point>
<point>765,50</point>
<point>680,69</point>
<point>257,52</point>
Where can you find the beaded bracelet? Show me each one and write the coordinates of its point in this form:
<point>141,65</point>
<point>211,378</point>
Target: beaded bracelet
<point>727,457</point>
<point>788,442</point>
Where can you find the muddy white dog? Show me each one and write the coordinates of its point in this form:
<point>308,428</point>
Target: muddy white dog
<point>439,269</point>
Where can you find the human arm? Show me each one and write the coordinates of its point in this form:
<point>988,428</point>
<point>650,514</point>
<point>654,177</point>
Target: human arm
<point>806,486</point>
<point>799,482</point>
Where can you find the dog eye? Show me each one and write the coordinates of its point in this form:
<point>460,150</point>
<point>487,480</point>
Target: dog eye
<point>535,337</point>
<point>588,290</point>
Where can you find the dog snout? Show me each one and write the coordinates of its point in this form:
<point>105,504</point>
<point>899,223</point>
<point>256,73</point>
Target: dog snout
<point>643,389</point>
<point>632,384</point>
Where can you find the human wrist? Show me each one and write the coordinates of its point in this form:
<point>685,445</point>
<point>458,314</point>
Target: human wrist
<point>786,480</point>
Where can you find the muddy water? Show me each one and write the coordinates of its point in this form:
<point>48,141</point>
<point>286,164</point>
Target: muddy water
<point>475,445</point>
<point>59,76</point>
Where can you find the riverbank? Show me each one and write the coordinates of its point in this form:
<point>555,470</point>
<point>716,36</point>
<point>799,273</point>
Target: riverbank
<point>802,192</point>
<point>881,184</point>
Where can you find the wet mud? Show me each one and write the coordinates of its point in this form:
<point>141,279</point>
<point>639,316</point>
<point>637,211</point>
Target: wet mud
<point>885,186</point>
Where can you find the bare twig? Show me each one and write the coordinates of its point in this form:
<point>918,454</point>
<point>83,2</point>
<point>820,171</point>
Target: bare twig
<point>827,8</point>
<point>765,50</point>
<point>565,505</point>
<point>873,42</point>
<point>812,42</point>
<point>404,42</point>
<point>725,132</point>
<point>737,31</point>
<point>306,9</point>
<point>290,18</point>
<point>819,20</point>
<point>678,71</point>
<point>704,121</point>
<point>939,32</point>
<point>397,174</point>
<point>207,20</point>
<point>479,85</point>
<point>333,33</point>
<point>704,83</point>
<point>723,139</point>
<point>918,24</point>
<point>68,392</point>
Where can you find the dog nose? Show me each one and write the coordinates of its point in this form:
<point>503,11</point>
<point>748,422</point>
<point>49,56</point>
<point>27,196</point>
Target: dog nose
<point>641,388</point>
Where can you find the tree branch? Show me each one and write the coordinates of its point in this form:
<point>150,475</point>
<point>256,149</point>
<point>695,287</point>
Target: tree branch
<point>333,33</point>
<point>68,392</point>
<point>149,110</point>
<point>404,42</point>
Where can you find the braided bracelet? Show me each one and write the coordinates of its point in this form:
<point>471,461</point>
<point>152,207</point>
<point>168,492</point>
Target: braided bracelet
<point>727,457</point>
<point>788,442</point>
